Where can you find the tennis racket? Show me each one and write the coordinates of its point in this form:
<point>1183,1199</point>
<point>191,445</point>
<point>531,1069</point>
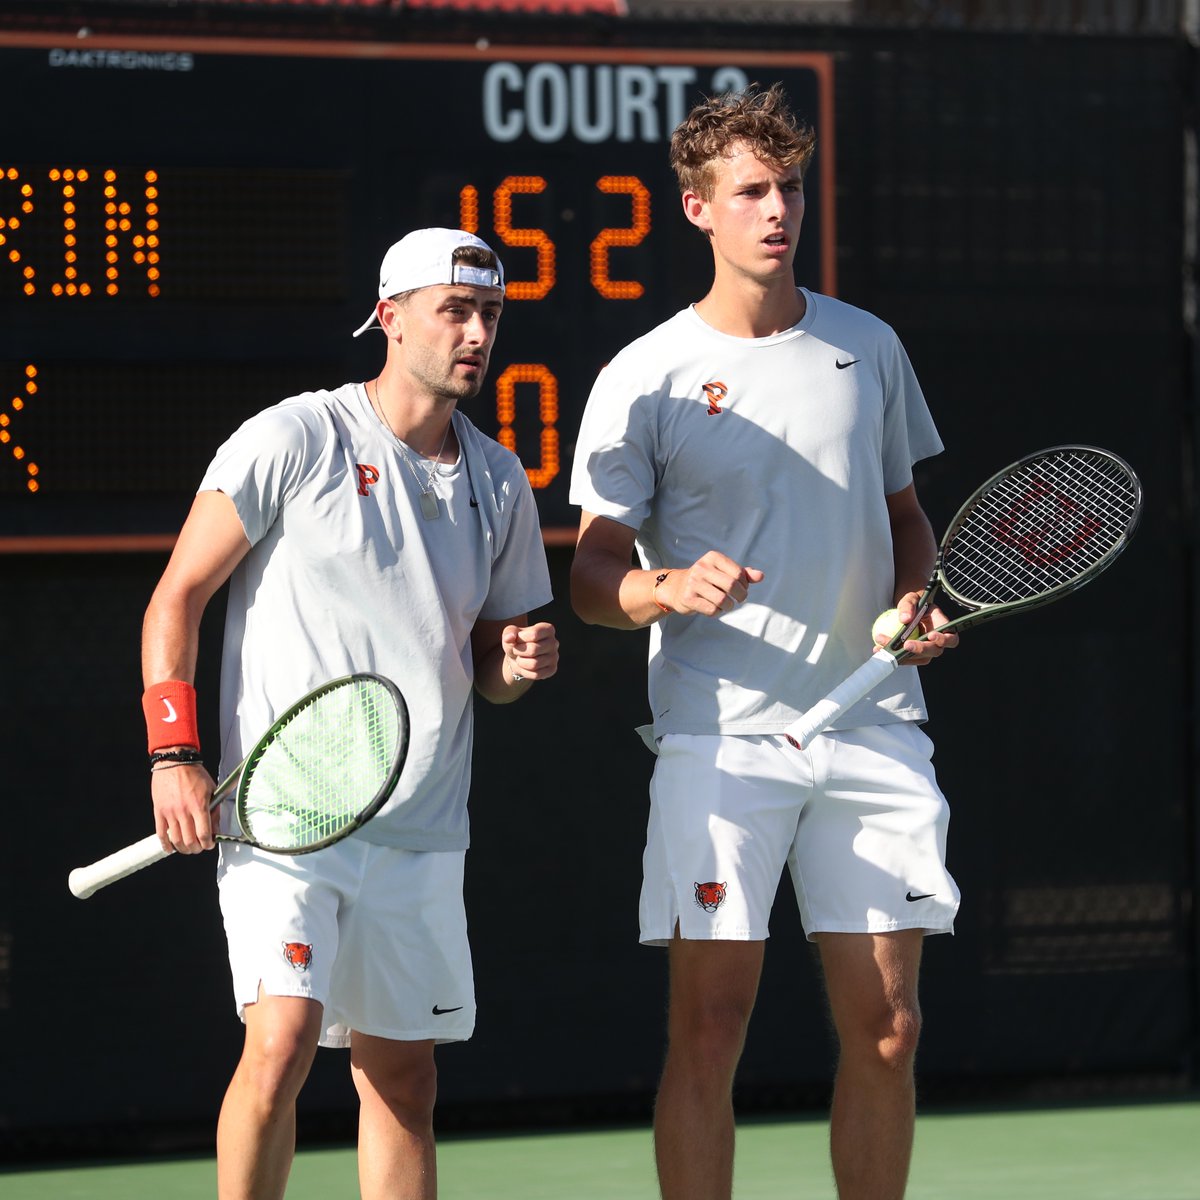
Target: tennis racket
<point>1033,533</point>
<point>323,769</point>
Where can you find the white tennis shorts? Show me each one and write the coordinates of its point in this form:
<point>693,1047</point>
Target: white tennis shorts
<point>857,817</point>
<point>376,934</point>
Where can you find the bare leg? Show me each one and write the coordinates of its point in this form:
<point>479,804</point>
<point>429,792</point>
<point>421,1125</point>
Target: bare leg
<point>872,985</point>
<point>713,986</point>
<point>256,1132</point>
<point>397,1085</point>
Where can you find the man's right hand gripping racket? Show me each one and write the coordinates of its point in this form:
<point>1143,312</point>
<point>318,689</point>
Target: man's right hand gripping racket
<point>1033,533</point>
<point>323,769</point>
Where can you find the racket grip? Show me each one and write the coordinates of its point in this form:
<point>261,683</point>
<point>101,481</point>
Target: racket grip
<point>83,881</point>
<point>847,693</point>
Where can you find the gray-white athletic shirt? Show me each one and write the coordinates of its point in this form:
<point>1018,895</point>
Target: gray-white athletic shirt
<point>345,575</point>
<point>779,452</point>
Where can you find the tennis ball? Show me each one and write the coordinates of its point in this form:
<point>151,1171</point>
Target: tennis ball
<point>887,625</point>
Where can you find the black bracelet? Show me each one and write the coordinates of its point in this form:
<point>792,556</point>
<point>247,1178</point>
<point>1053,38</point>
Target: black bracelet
<point>187,755</point>
<point>654,593</point>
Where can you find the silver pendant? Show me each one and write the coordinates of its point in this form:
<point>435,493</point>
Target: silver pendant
<point>429,506</point>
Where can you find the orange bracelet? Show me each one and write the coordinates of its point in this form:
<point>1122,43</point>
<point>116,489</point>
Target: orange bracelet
<point>654,593</point>
<point>170,711</point>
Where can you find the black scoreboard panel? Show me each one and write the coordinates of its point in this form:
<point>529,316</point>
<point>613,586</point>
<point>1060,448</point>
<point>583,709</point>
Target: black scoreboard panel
<point>189,233</point>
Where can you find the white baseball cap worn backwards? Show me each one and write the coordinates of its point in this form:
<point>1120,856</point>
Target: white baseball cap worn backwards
<point>424,258</point>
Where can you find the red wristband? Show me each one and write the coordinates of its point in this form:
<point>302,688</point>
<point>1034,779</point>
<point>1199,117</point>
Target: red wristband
<point>170,710</point>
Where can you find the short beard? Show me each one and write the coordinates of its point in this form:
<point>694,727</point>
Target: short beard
<point>446,387</point>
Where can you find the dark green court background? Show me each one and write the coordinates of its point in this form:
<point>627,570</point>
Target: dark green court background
<point>1089,1153</point>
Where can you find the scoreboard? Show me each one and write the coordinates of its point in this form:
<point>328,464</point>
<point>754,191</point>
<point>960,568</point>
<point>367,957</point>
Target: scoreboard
<point>190,231</point>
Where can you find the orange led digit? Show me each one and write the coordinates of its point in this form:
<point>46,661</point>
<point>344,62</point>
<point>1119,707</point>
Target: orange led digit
<point>546,276</point>
<point>468,209</point>
<point>632,186</point>
<point>506,415</point>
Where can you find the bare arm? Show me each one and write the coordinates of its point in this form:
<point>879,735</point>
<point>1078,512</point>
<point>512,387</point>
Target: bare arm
<point>914,550</point>
<point>607,589</point>
<point>510,655</point>
<point>210,545</point>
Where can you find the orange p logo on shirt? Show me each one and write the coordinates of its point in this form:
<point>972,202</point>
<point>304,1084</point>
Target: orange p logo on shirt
<point>368,476</point>
<point>714,392</point>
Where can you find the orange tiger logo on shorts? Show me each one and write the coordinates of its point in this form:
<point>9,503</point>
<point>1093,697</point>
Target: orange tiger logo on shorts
<point>297,955</point>
<point>710,896</point>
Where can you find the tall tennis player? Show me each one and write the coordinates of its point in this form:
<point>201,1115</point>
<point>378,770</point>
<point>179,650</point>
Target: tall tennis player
<point>756,450</point>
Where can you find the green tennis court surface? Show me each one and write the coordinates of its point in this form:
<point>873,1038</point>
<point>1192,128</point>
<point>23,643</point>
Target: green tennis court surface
<point>1136,1152</point>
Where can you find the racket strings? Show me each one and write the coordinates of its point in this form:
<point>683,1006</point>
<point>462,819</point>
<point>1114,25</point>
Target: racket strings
<point>323,768</point>
<point>1046,525</point>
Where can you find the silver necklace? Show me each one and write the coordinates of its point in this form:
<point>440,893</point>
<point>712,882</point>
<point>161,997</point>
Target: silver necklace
<point>429,496</point>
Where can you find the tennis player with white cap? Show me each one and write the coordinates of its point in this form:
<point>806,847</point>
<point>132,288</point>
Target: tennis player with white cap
<point>371,527</point>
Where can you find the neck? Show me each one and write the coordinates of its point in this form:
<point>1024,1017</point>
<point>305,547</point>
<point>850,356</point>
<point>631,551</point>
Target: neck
<point>426,428</point>
<point>749,308</point>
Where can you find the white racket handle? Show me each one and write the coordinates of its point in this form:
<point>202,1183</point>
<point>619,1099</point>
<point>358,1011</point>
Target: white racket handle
<point>83,881</point>
<point>847,693</point>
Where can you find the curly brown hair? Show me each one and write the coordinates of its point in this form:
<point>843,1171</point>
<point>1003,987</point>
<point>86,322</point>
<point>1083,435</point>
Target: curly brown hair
<point>762,120</point>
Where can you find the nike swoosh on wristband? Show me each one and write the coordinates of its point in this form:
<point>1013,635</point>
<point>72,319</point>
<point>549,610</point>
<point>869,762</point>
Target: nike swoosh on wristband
<point>171,716</point>
<point>926,896</point>
<point>439,1012</point>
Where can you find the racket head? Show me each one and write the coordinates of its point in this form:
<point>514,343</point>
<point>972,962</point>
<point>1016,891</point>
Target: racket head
<point>325,767</point>
<point>1038,530</point>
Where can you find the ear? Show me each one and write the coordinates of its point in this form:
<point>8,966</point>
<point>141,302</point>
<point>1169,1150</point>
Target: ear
<point>696,210</point>
<point>388,316</point>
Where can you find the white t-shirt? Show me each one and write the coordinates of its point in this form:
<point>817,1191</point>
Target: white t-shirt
<point>779,452</point>
<point>345,575</point>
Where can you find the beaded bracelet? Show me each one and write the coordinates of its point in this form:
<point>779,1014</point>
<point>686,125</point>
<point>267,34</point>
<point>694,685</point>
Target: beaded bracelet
<point>654,592</point>
<point>178,758</point>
